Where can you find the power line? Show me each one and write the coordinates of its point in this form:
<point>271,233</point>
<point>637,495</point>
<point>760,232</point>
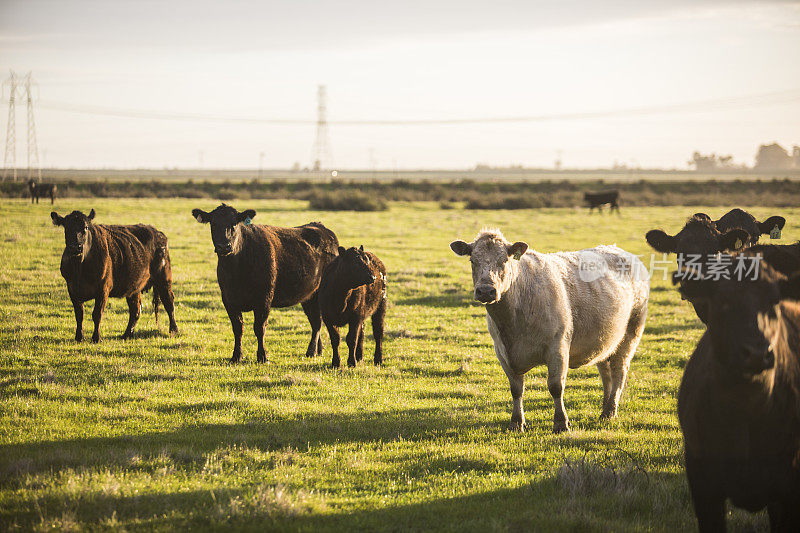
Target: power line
<point>752,100</point>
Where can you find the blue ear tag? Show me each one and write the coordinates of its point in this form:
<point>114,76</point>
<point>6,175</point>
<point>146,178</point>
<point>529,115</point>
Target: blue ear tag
<point>247,221</point>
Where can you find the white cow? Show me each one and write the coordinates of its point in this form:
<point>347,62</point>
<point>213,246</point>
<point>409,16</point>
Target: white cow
<point>563,309</point>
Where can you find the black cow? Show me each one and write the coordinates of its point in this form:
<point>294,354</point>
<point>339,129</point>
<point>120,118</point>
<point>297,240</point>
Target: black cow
<point>700,239</point>
<point>42,189</point>
<point>353,288</point>
<point>738,218</point>
<point>261,267</point>
<point>599,199</point>
<point>739,400</point>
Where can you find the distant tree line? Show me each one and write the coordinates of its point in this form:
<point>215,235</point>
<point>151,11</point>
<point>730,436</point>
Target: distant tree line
<point>769,157</point>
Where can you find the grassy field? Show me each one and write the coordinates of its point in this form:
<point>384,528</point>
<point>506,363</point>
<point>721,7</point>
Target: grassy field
<point>160,433</point>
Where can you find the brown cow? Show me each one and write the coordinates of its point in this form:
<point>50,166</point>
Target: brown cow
<point>261,267</point>
<point>102,261</point>
<point>353,288</point>
<point>739,400</point>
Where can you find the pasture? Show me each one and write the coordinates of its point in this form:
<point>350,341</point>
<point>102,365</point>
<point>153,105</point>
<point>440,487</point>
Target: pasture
<point>159,432</point>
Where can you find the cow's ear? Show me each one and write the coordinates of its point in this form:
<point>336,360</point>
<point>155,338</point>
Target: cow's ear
<point>341,250</point>
<point>790,288</point>
<point>247,215</point>
<point>361,248</point>
<point>201,216</point>
<point>771,223</point>
<point>517,249</point>
<point>660,241</point>
<point>702,216</point>
<point>461,248</point>
<point>58,220</point>
<point>733,239</point>
<point>91,215</point>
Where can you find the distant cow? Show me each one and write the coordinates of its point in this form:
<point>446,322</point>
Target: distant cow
<point>564,309</point>
<point>739,400</point>
<point>42,189</point>
<point>353,288</point>
<point>102,261</point>
<point>738,218</point>
<point>599,199</point>
<point>261,267</point>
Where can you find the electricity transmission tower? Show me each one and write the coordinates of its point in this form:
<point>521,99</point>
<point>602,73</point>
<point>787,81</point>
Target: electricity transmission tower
<point>23,86</point>
<point>321,158</point>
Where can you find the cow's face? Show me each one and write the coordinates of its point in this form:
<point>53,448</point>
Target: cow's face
<point>77,237</point>
<point>698,237</point>
<point>743,319</point>
<point>357,271</point>
<point>225,229</point>
<point>494,264</point>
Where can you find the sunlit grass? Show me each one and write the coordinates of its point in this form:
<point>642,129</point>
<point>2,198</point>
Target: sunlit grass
<point>158,432</point>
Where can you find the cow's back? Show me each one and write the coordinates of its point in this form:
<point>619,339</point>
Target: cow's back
<point>130,250</point>
<point>594,294</point>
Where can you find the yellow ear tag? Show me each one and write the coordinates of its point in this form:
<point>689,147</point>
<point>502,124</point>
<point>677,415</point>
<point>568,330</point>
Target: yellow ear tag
<point>738,244</point>
<point>517,255</point>
<point>775,233</point>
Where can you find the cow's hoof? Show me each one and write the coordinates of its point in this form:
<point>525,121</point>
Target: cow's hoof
<point>95,338</point>
<point>516,425</point>
<point>126,336</point>
<point>607,415</point>
<point>351,364</point>
<point>261,358</point>
<point>79,337</point>
<point>235,360</point>
<point>561,428</point>
<point>173,331</point>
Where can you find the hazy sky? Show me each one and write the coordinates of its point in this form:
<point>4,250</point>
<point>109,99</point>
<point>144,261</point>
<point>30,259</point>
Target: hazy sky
<point>404,61</point>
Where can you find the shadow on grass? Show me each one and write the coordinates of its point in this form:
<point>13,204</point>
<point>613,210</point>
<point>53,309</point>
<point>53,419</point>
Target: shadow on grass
<point>586,501</point>
<point>18,460</point>
<point>459,299</point>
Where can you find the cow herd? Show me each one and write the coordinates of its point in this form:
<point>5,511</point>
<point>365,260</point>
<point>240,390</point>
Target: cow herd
<point>739,399</point>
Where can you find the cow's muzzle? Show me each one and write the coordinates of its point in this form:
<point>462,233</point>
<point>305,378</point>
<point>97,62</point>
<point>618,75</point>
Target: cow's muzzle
<point>485,294</point>
<point>74,251</point>
<point>758,360</point>
<point>223,250</point>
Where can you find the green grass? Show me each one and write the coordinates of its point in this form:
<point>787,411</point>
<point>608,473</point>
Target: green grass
<point>158,432</point>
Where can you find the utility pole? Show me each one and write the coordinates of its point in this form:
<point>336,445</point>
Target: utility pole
<point>11,128</point>
<point>321,158</point>
<point>15,84</point>
<point>33,146</point>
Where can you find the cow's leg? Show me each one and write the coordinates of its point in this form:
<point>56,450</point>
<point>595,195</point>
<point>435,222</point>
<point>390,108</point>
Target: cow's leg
<point>707,498</point>
<point>237,324</point>
<point>260,317</point>
<point>97,314</point>
<point>351,339</point>
<point>620,362</point>
<point>134,310</point>
<point>556,381</point>
<point>360,343</point>
<point>77,305</point>
<point>314,314</point>
<point>517,384</point>
<point>605,376</point>
<point>377,331</point>
<point>333,333</point>
<point>163,284</point>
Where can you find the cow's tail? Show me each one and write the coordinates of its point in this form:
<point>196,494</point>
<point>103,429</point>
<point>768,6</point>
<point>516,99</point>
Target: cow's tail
<point>156,301</point>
